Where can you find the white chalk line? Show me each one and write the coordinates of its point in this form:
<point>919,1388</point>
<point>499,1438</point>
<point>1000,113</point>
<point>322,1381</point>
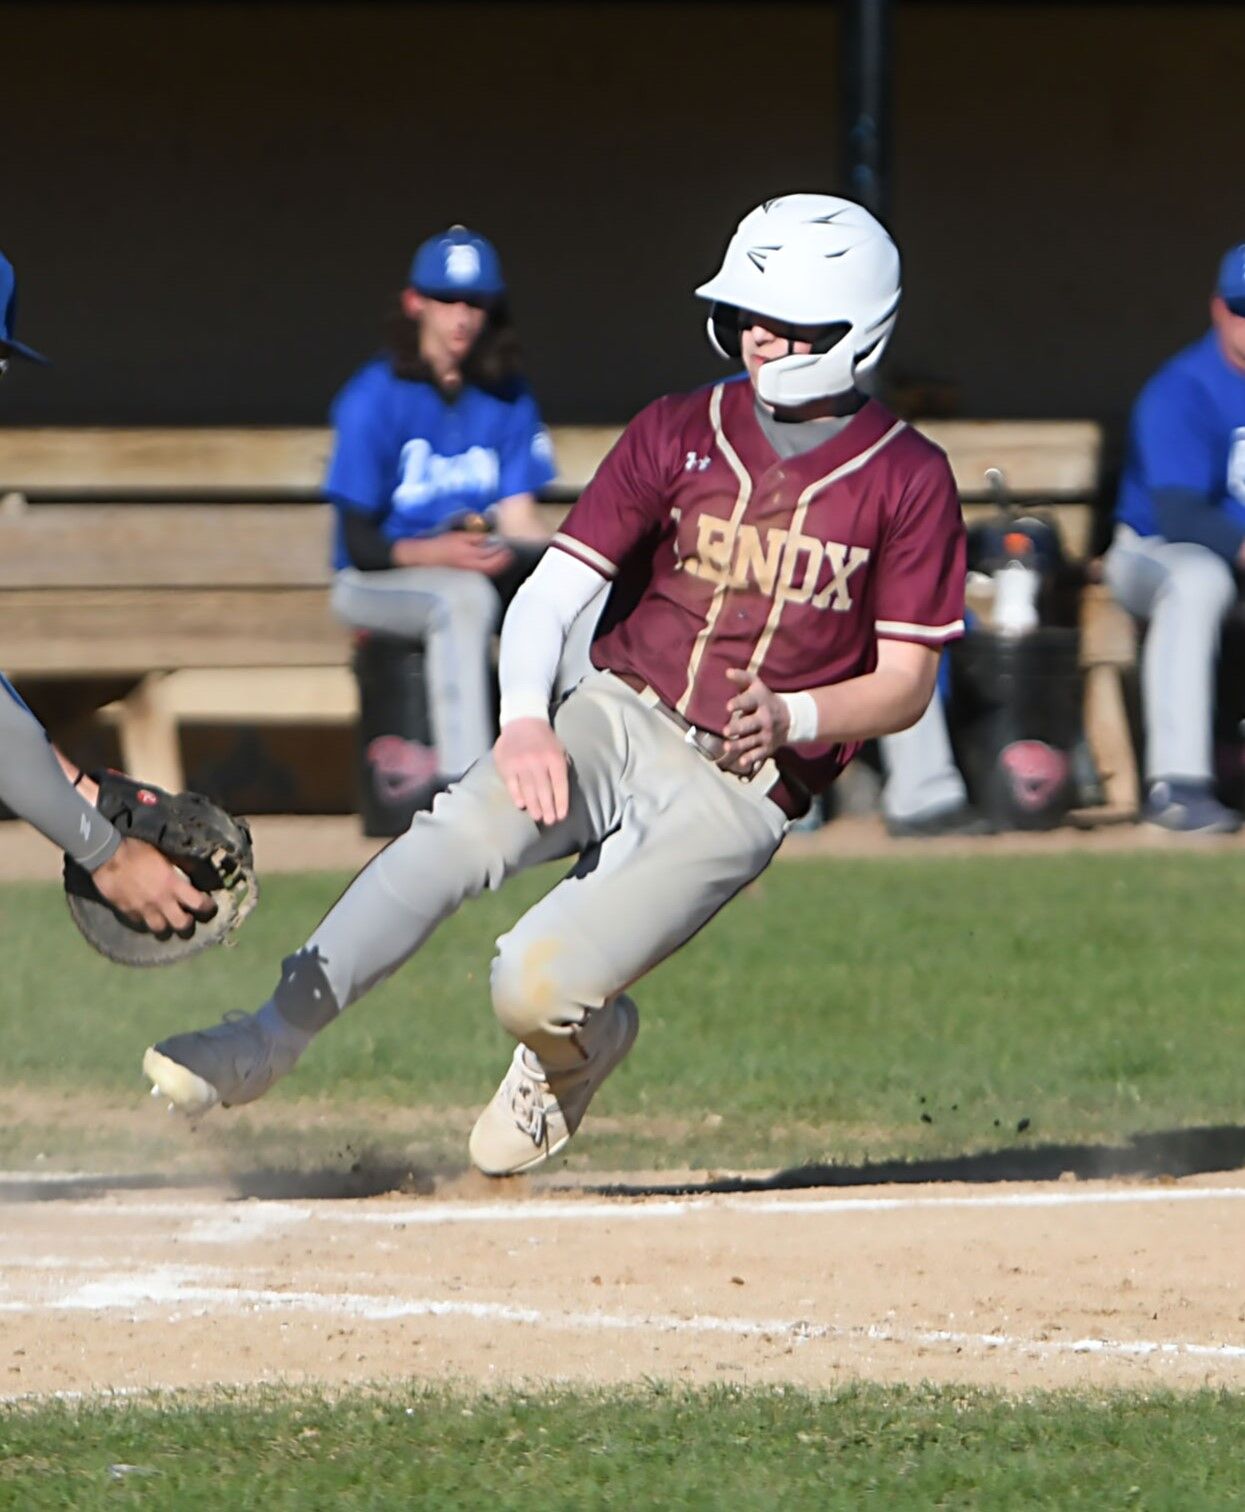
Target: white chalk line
<point>224,1220</point>
<point>173,1287</point>
<point>219,1222</point>
<point>99,1395</point>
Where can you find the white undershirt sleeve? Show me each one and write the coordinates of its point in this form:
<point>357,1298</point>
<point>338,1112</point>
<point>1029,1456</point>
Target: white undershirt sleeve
<point>535,628</point>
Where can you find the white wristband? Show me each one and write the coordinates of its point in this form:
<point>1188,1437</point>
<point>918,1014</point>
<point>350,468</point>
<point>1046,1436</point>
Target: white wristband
<point>523,704</point>
<point>802,707</point>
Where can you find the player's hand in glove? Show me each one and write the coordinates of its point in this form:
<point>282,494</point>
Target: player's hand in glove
<point>148,890</point>
<point>760,723</point>
<point>182,879</point>
<point>532,762</point>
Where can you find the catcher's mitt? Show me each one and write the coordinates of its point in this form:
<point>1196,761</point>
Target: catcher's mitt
<point>210,846</point>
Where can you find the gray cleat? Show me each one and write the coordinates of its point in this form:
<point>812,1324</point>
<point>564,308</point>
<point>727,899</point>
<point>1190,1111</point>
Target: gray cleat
<point>1188,808</point>
<point>233,1062</point>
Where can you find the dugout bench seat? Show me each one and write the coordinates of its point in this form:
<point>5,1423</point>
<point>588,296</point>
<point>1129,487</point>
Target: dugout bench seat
<point>178,574</point>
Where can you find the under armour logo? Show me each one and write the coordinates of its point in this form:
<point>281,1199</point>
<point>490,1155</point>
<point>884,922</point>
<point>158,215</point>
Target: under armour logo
<point>84,826</point>
<point>695,463</point>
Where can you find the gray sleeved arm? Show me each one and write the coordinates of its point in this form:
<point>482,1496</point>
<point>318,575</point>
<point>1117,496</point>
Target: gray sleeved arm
<point>34,787</point>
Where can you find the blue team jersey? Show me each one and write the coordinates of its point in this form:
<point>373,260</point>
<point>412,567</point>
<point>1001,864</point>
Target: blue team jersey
<point>1187,431</point>
<point>416,463</point>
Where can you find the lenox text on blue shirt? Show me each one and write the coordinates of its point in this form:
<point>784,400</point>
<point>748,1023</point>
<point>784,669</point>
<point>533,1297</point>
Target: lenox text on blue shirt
<point>417,462</point>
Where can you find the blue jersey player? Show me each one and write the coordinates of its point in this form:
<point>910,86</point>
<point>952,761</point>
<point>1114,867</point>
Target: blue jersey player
<point>1179,543</point>
<point>439,453</point>
<point>39,785</point>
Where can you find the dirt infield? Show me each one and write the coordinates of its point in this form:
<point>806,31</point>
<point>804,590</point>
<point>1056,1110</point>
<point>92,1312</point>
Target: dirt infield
<point>165,1276</point>
<point>1017,1286</point>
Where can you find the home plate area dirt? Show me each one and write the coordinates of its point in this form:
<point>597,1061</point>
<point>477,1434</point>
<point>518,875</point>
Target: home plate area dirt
<point>1008,1285</point>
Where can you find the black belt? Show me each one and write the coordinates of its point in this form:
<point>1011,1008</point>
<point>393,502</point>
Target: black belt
<point>787,792</point>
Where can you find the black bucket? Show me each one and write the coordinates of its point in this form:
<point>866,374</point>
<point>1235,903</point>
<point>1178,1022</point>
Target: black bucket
<point>1229,717</point>
<point>396,759</point>
<point>1017,713</point>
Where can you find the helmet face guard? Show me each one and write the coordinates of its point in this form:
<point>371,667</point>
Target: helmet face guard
<point>808,260</point>
<point>726,326</point>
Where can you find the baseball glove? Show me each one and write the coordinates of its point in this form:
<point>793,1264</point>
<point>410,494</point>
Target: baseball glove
<point>210,846</point>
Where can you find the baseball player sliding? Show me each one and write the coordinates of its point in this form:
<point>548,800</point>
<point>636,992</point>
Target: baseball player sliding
<point>787,560</point>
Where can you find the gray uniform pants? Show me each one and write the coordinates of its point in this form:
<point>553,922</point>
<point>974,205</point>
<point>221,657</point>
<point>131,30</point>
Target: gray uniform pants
<point>456,614</point>
<point>921,775</point>
<point>663,840</point>
<point>1184,591</point>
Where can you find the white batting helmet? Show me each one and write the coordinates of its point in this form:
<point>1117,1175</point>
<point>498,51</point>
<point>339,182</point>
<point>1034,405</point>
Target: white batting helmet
<point>809,259</point>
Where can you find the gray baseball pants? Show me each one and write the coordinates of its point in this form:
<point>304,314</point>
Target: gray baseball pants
<point>1184,591</point>
<point>921,775</point>
<point>456,614</point>
<point>663,840</point>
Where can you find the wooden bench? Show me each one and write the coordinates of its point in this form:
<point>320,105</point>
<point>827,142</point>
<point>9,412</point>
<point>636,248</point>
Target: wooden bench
<point>187,569</point>
<point>1108,650</point>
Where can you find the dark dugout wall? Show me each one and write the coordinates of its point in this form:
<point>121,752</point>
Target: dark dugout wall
<point>210,206</point>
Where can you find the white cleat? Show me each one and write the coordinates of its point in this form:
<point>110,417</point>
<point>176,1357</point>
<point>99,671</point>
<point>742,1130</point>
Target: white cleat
<point>534,1112</point>
<point>155,1091</point>
<point>186,1092</point>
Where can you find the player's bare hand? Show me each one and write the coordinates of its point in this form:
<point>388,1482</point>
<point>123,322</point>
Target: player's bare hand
<point>534,766</point>
<point>145,886</point>
<point>475,553</point>
<point>466,550</point>
<point>759,723</point>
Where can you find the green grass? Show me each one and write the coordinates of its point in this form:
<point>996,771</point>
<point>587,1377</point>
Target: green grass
<point>840,1011</point>
<point>652,1447</point>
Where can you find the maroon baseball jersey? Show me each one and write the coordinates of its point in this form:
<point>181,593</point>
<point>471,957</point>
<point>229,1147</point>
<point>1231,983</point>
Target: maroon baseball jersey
<point>728,555</point>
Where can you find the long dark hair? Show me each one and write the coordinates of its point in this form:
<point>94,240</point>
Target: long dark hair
<point>493,363</point>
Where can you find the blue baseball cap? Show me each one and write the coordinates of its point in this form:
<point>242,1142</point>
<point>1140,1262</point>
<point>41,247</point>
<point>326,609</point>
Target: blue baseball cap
<point>457,264</point>
<point>8,313</point>
<point>1231,285</point>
